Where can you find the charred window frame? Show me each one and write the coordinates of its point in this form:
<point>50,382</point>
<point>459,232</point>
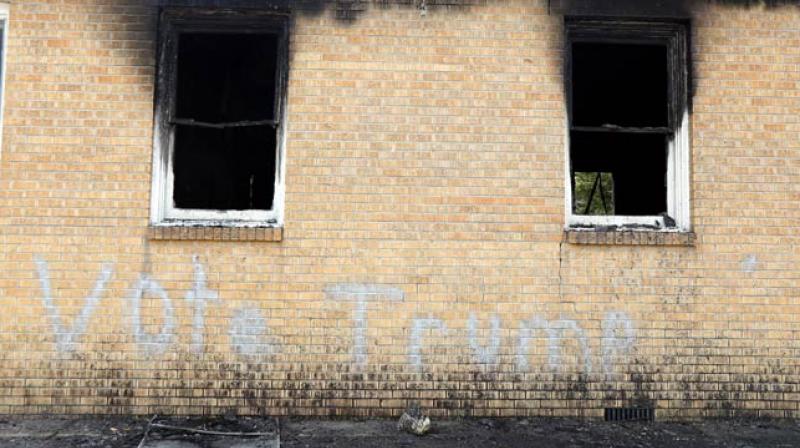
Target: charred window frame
<point>204,132</point>
<point>4,14</point>
<point>600,147</point>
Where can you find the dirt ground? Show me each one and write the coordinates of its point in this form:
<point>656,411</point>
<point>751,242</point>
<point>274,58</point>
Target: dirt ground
<point>543,433</point>
<point>112,432</point>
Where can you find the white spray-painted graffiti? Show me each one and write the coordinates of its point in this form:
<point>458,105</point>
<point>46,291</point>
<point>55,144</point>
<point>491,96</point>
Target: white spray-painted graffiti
<point>526,329</point>
<point>154,343</point>
<point>362,294</point>
<point>619,337</point>
<point>66,339</point>
<point>556,333</point>
<point>749,264</point>
<point>486,355</point>
<point>418,326</point>
<point>200,296</point>
<point>250,334</point>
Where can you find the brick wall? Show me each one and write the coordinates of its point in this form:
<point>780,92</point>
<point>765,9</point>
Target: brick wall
<point>423,256</point>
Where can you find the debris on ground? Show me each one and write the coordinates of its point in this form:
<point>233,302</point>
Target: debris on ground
<point>128,431</point>
<point>190,432</point>
<point>414,421</point>
<point>542,432</point>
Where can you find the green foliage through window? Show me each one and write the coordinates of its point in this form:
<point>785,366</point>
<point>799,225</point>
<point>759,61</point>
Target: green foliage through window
<point>594,193</point>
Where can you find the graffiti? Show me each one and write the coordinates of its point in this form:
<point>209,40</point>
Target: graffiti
<point>67,339</point>
<point>250,334</point>
<point>484,354</point>
<point>749,264</point>
<point>619,337</point>
<point>418,326</point>
<point>565,325</point>
<point>555,332</point>
<point>362,294</point>
<point>526,329</point>
<point>153,343</point>
<point>199,296</point>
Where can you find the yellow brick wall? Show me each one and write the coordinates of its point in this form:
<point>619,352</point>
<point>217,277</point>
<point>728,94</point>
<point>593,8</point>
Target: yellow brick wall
<point>423,257</point>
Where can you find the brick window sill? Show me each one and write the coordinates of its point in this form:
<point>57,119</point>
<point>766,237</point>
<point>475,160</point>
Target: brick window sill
<point>630,238</point>
<point>208,233</point>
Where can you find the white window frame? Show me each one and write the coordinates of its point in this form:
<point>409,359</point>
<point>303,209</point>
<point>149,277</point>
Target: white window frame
<point>674,36</point>
<point>172,22</point>
<point>5,12</point>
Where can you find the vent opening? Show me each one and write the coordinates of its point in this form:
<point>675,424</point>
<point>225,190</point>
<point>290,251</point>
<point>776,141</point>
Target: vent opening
<point>629,414</point>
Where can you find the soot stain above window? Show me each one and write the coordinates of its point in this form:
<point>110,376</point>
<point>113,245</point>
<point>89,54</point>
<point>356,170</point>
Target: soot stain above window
<point>624,94</point>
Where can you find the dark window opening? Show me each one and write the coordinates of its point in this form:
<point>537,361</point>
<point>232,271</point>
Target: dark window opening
<point>225,123</point>
<point>633,179</point>
<point>224,169</point>
<point>226,77</point>
<point>619,128</point>
<point>619,85</point>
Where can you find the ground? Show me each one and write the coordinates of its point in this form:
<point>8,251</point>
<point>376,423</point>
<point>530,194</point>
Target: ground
<point>112,432</point>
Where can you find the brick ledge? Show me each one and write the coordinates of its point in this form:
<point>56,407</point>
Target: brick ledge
<point>183,233</point>
<point>630,238</point>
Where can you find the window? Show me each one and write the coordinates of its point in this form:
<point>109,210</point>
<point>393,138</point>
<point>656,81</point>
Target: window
<point>628,146</point>
<point>4,9</point>
<point>220,114</point>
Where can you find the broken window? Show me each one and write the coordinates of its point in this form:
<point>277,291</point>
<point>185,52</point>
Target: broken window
<point>220,107</point>
<point>628,144</point>
<point>4,9</point>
